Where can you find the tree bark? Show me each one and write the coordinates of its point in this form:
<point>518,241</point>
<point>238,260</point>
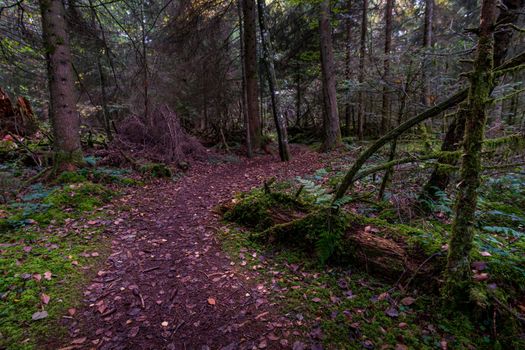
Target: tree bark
<point>385,110</point>
<point>332,129</point>
<point>244,103</point>
<point>250,70</point>
<point>482,82</point>
<point>64,117</point>
<point>280,122</point>
<point>348,70</point>
<point>427,44</point>
<point>361,77</point>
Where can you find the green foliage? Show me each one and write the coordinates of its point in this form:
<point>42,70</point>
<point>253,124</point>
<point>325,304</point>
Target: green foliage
<point>315,193</point>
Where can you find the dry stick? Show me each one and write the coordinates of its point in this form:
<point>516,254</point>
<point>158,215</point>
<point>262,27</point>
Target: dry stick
<point>515,63</point>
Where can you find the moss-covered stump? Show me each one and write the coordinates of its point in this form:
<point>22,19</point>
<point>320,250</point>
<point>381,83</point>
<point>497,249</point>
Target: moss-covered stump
<point>260,210</point>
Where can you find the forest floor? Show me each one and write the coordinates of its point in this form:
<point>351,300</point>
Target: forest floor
<point>106,258</point>
<point>167,283</point>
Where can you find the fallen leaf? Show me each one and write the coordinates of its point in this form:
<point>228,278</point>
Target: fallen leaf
<point>37,277</point>
<point>47,275</point>
<point>79,341</point>
<point>392,312</point>
<point>39,315</point>
<point>316,300</point>
<point>164,324</point>
<point>481,277</point>
<point>45,298</point>
<point>71,311</point>
<point>211,301</point>
<point>27,249</point>
<point>485,254</point>
<point>408,301</point>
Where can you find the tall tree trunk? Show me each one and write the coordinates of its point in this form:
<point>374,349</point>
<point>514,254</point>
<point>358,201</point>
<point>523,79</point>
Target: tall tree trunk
<point>280,122</point>
<point>385,111</point>
<point>440,178</point>
<point>361,78</point>
<point>458,276</point>
<point>250,71</point>
<point>427,44</point>
<point>348,70</point>
<point>332,129</point>
<point>64,116</point>
<point>244,103</point>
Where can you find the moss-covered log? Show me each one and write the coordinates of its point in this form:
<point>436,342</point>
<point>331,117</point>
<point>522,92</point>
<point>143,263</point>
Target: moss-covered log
<point>385,250</point>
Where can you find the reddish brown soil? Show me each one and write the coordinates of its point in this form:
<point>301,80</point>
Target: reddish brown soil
<point>168,285</point>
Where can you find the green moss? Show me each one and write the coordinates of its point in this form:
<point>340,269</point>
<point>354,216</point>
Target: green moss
<point>156,170</point>
<point>254,209</point>
<point>70,177</point>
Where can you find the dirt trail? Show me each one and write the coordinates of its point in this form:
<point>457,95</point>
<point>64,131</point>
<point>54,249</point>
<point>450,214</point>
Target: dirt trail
<point>167,284</point>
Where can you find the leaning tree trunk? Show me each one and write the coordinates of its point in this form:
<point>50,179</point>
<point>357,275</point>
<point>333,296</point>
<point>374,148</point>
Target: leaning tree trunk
<point>482,81</point>
<point>440,177</point>
<point>250,70</point>
<point>64,117</point>
<point>280,122</point>
<point>361,77</point>
<point>332,129</point>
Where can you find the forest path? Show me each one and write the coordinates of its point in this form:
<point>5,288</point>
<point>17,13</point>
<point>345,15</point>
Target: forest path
<point>167,283</point>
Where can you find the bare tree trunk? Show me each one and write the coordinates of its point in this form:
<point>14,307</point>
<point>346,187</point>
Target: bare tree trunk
<point>427,44</point>
<point>332,129</point>
<point>280,122</point>
<point>361,78</point>
<point>385,112</point>
<point>64,116</point>
<point>244,103</point>
<point>348,71</point>
<point>250,70</point>
<point>482,81</point>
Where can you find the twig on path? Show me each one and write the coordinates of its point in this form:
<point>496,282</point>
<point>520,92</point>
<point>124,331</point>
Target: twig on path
<point>151,269</point>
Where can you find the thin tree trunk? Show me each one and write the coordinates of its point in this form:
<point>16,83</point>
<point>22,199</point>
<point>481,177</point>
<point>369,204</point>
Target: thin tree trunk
<point>348,70</point>
<point>385,110</point>
<point>244,103</point>
<point>250,70</point>
<point>361,78</point>
<point>332,129</point>
<point>427,44</point>
<point>482,81</point>
<point>280,122</point>
<point>64,116</point>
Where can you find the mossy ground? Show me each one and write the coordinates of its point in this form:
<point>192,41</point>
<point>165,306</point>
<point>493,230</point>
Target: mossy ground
<point>51,243</point>
<point>360,320</point>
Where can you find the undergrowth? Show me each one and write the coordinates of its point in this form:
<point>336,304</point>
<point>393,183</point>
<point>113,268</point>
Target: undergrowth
<point>358,320</point>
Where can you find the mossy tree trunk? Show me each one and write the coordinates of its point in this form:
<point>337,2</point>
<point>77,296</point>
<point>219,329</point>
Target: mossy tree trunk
<point>63,112</point>
<point>458,274</point>
<point>332,129</point>
<point>280,122</point>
